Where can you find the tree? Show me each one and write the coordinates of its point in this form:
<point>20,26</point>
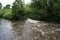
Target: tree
<point>17,5</point>
<point>0,5</point>
<point>53,9</point>
<point>7,6</point>
<point>48,10</point>
<point>18,9</point>
<point>39,9</point>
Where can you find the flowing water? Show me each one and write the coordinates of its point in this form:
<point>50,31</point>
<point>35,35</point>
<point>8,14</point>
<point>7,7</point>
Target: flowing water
<point>28,30</point>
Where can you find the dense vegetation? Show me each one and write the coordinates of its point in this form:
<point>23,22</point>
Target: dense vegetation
<point>44,10</point>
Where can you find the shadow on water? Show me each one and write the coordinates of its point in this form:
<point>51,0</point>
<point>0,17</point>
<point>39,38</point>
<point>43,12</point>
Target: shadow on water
<point>28,30</point>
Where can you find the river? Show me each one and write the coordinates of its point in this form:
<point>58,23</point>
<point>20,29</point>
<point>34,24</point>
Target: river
<point>28,30</point>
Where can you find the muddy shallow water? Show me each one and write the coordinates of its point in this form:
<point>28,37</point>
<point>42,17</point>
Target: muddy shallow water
<point>28,30</point>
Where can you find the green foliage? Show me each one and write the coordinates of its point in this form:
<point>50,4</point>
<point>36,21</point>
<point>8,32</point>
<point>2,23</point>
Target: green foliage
<point>18,10</point>
<point>1,13</point>
<point>36,10</point>
<point>45,10</point>
<point>53,10</point>
<point>6,13</point>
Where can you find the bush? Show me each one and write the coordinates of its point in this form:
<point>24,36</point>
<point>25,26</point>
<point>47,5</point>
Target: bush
<point>19,14</point>
<point>6,13</point>
<point>1,13</point>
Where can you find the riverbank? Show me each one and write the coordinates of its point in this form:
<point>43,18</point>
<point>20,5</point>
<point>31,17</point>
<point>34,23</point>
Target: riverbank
<point>7,14</point>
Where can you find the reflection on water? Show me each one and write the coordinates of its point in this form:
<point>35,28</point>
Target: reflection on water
<point>28,30</point>
<point>5,30</point>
